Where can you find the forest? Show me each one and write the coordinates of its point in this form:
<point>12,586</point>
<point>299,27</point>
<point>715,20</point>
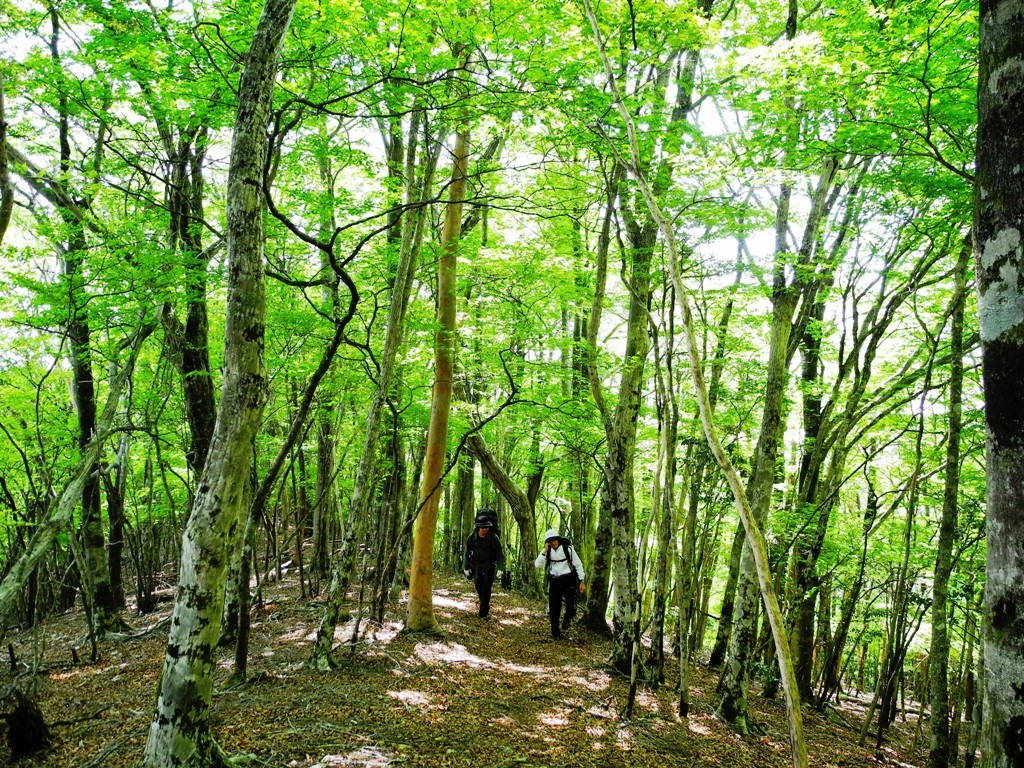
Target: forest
<point>727,293</point>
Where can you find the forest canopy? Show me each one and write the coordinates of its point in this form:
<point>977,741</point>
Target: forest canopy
<point>689,282</point>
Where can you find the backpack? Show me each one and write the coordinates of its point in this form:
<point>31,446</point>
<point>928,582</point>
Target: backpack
<point>567,543</point>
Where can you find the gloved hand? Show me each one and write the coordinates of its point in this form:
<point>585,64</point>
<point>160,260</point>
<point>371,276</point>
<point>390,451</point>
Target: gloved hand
<point>498,574</point>
<point>469,573</point>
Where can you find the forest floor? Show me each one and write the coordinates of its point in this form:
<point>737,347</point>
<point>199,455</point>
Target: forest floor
<point>487,693</point>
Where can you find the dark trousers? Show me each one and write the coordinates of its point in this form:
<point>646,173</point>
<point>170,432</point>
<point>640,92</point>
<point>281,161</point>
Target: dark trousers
<point>561,589</point>
<point>483,582</point>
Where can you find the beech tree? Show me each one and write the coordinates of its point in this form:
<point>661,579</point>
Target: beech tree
<point>181,733</point>
<point>999,251</point>
<point>420,615</point>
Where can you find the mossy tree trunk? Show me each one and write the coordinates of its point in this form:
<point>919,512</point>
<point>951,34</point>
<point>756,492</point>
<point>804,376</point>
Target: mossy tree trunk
<point>180,732</point>
<point>999,250</point>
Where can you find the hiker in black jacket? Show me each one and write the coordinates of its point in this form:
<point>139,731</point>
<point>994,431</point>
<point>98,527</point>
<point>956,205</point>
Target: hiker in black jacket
<point>565,574</point>
<point>484,559</point>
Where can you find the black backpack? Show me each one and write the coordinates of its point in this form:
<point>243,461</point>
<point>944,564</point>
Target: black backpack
<point>567,543</point>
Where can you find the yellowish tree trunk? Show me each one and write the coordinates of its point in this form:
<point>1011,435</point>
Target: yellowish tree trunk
<point>420,617</point>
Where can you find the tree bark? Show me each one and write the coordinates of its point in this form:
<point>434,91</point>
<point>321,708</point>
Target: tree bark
<point>6,188</point>
<point>180,733</point>
<point>999,250</point>
<point>420,616</point>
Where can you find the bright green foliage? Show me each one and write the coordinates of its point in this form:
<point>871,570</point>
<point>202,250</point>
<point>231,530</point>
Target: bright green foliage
<point>886,93</point>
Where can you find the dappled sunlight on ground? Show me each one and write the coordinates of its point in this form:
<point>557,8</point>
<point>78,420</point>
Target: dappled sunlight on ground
<point>448,653</point>
<point>557,717</point>
<point>624,738</point>
<point>299,635</point>
<point>508,666</point>
<point>386,632</point>
<point>699,725</point>
<point>416,699</point>
<point>592,681</point>
<point>482,694</point>
<point>366,757</point>
<point>445,599</point>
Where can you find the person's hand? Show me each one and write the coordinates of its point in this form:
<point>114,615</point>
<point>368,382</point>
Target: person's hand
<point>583,587</point>
<point>498,575</point>
<point>469,573</point>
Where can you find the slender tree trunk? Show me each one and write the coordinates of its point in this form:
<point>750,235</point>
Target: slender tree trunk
<point>594,617</point>
<point>325,500</point>
<point>665,554</point>
<point>420,616</point>
<point>939,755</point>
<point>617,490</point>
<point>999,250</point>
<point>6,188</point>
<point>180,733</point>
<point>93,563</point>
<point>727,614</point>
<point>114,482</point>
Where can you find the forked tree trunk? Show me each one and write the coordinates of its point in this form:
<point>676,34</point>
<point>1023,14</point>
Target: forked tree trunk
<point>999,250</point>
<point>420,616</point>
<point>180,733</point>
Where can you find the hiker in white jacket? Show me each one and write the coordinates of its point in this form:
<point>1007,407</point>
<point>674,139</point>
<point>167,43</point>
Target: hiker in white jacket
<point>565,576</point>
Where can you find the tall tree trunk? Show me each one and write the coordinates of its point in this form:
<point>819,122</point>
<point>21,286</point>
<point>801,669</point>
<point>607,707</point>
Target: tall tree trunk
<point>95,572</point>
<point>617,489</point>
<point>420,617</point>
<point>594,616</point>
<point>728,612</point>
<point>668,423</point>
<point>325,499</point>
<point>999,250</point>
<point>939,755</point>
<point>114,479</point>
<point>180,733</point>
<point>6,188</point>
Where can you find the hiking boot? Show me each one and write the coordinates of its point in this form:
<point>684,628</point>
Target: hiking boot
<point>565,623</point>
